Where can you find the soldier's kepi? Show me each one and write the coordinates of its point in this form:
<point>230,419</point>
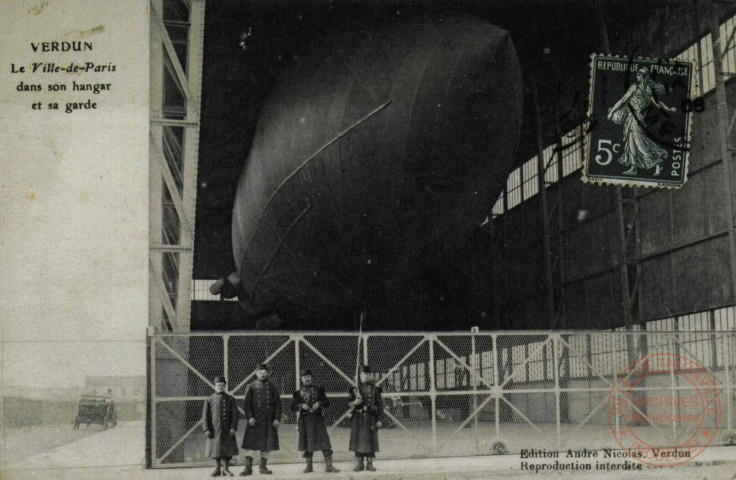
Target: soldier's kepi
<point>309,403</point>
<point>366,404</point>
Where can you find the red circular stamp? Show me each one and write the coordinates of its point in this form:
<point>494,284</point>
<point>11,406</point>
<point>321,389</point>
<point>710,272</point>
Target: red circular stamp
<point>664,409</point>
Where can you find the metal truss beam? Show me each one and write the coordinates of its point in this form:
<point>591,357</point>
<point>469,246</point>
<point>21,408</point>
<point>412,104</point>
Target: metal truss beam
<point>626,206</point>
<point>181,77</point>
<point>180,190</point>
<point>162,295</point>
<point>157,154</point>
<point>549,284</point>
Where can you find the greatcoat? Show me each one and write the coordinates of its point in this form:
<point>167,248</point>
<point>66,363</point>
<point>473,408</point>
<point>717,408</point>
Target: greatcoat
<point>364,434</point>
<point>262,403</point>
<point>313,435</point>
<point>220,415</point>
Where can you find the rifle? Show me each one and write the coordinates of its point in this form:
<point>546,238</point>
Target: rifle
<point>356,389</point>
<point>300,414</point>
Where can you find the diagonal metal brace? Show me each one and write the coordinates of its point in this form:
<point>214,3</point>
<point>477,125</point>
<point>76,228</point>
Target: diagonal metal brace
<point>403,359</point>
<point>463,364</point>
<point>270,357</point>
<point>187,364</point>
<point>180,441</point>
<point>158,152</point>
<point>181,77</point>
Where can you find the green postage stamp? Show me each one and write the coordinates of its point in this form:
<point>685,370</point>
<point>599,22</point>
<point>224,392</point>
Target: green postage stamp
<point>639,119</point>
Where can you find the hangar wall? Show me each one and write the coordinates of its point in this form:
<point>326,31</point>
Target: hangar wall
<point>683,246</point>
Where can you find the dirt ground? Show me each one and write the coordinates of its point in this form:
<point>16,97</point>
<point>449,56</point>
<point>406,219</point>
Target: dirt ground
<point>118,453</point>
<point>24,442</point>
<point>703,472</point>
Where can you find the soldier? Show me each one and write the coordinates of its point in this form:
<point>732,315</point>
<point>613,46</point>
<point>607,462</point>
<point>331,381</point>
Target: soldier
<point>263,410</point>
<point>309,402</point>
<point>367,405</point>
<point>220,422</point>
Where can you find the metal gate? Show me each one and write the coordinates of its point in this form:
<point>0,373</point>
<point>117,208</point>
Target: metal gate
<point>457,394</point>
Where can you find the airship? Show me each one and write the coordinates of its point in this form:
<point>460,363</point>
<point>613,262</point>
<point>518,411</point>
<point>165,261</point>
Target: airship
<point>378,153</point>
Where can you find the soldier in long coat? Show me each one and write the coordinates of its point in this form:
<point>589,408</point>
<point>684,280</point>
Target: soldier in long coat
<point>366,404</point>
<point>309,402</point>
<point>262,405</point>
<point>220,422</point>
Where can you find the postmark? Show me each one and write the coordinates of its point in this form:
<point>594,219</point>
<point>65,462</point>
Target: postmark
<point>639,121</point>
<point>664,409</point>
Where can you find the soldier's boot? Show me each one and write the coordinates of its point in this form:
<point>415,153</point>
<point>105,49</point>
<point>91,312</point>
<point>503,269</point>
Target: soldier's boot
<point>328,465</point>
<point>359,467</point>
<point>248,470</point>
<point>309,468</point>
<point>217,472</point>
<point>226,469</point>
<point>369,465</point>
<point>262,468</point>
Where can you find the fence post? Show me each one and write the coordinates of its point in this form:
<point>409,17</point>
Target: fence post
<point>729,362</point>
<point>556,343</point>
<point>713,340</point>
<point>226,358</point>
<point>297,385</point>
<point>365,349</point>
<point>614,374</point>
<point>673,390</point>
<point>432,391</point>
<point>149,394</point>
<point>475,389</point>
<point>297,363</point>
<point>496,383</point>
<point>154,449</point>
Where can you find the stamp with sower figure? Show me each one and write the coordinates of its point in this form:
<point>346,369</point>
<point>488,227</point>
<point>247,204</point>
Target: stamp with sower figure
<point>639,121</point>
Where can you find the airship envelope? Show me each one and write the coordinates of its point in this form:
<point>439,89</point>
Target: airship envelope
<point>377,154</point>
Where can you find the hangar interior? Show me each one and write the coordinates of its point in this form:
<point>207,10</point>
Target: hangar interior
<point>548,254</point>
<point>552,252</point>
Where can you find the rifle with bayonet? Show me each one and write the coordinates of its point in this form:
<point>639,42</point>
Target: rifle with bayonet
<point>356,388</point>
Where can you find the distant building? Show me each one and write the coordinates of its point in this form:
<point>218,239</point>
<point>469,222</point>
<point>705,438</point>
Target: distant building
<point>62,394</point>
<point>122,389</point>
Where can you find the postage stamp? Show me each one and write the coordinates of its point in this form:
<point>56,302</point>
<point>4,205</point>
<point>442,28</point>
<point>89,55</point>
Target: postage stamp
<point>639,120</point>
<point>664,409</point>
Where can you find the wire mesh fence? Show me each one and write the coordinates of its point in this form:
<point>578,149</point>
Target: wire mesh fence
<point>453,394</point>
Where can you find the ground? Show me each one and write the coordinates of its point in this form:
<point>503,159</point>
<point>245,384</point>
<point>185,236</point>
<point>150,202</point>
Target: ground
<point>118,454</point>
<point>24,442</point>
<point>702,472</point>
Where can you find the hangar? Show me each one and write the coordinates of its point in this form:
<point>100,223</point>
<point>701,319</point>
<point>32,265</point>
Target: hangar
<point>474,213</point>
